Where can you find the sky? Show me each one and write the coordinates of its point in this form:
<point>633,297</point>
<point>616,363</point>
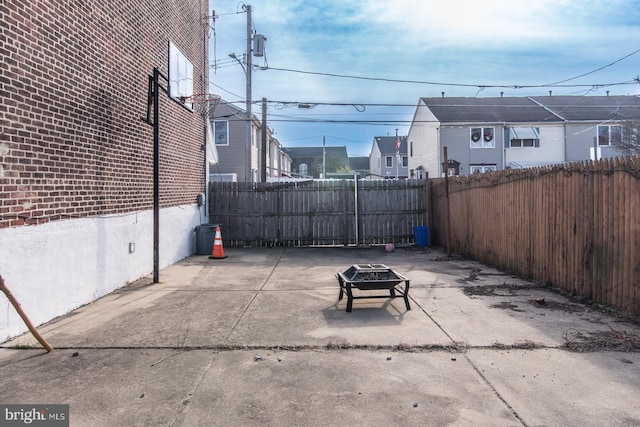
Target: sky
<point>362,66</point>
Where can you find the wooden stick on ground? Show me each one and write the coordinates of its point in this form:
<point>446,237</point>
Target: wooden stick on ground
<point>22,314</point>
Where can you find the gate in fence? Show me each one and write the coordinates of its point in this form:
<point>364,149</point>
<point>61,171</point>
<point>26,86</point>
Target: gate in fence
<point>318,213</point>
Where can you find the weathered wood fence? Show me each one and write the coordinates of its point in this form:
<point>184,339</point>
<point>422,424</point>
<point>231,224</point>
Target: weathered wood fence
<point>335,212</point>
<point>576,226</point>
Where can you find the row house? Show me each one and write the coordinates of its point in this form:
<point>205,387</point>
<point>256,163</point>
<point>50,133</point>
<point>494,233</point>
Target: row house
<point>237,160</point>
<point>388,158</point>
<point>490,134</point>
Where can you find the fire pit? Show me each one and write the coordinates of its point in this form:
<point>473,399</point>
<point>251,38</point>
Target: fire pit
<point>368,277</point>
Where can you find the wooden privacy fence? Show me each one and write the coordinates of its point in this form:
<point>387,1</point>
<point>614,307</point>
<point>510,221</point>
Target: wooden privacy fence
<point>335,212</point>
<point>576,226</point>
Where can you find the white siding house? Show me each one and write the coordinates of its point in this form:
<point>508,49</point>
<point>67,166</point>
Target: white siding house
<point>386,160</point>
<point>488,134</point>
<point>424,157</point>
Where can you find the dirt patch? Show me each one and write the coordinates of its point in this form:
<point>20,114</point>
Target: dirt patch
<point>558,306</point>
<point>521,345</point>
<point>496,290</point>
<point>452,257</point>
<point>507,306</point>
<point>135,285</point>
<point>611,340</point>
<point>473,276</point>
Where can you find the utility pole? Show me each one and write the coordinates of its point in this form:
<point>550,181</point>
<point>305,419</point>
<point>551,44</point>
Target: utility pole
<point>247,174</point>
<point>324,159</point>
<point>397,155</point>
<point>265,145</point>
<point>446,194</point>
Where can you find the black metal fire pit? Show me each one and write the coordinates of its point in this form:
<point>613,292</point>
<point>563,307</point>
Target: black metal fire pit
<point>368,277</point>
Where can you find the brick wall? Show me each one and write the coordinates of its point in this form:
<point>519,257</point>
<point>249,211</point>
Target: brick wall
<point>73,92</point>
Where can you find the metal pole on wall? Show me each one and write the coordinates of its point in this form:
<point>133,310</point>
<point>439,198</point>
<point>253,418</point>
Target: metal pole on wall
<point>247,174</point>
<point>153,97</point>
<point>446,195</point>
<point>156,176</point>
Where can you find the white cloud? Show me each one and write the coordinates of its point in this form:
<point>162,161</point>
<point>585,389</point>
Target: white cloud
<point>489,42</point>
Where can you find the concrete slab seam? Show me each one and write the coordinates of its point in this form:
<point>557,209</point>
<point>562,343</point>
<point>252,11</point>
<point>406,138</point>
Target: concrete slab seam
<point>475,368</point>
<point>185,402</point>
<point>495,391</point>
<point>433,320</point>
<point>233,328</point>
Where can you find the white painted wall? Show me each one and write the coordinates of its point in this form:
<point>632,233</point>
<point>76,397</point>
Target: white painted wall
<point>56,267</point>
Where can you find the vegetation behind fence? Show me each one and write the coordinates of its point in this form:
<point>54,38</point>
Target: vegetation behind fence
<point>575,226</point>
<point>318,212</point>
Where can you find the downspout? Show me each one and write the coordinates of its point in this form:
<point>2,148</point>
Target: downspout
<point>204,81</point>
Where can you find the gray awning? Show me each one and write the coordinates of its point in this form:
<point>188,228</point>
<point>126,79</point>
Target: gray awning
<point>524,133</point>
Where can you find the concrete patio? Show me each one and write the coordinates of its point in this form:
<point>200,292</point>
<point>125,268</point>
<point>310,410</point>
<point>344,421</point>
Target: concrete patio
<point>260,338</point>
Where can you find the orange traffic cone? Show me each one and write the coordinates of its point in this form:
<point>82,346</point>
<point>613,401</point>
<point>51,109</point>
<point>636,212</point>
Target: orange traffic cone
<point>218,250</point>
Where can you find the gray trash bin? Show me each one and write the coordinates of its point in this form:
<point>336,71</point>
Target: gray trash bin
<point>205,234</point>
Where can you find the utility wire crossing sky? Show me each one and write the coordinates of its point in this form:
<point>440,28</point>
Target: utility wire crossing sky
<point>350,70</point>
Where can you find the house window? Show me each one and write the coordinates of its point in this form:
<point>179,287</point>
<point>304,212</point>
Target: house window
<point>411,148</point>
<point>180,74</point>
<point>221,132</point>
<point>482,168</point>
<point>609,134</point>
<point>482,138</point>
<point>524,137</point>
<point>304,169</point>
<point>405,161</point>
<point>389,161</point>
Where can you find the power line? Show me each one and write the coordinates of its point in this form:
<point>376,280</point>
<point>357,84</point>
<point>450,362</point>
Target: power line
<point>367,122</point>
<point>596,70</point>
<point>414,105</point>
<point>225,90</point>
<point>481,87</point>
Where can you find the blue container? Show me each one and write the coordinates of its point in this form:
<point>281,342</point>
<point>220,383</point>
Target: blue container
<point>421,236</point>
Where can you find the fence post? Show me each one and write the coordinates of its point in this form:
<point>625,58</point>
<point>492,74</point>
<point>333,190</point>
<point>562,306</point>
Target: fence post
<point>355,204</point>
<point>446,198</point>
<point>428,209</point>
<point>345,218</point>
